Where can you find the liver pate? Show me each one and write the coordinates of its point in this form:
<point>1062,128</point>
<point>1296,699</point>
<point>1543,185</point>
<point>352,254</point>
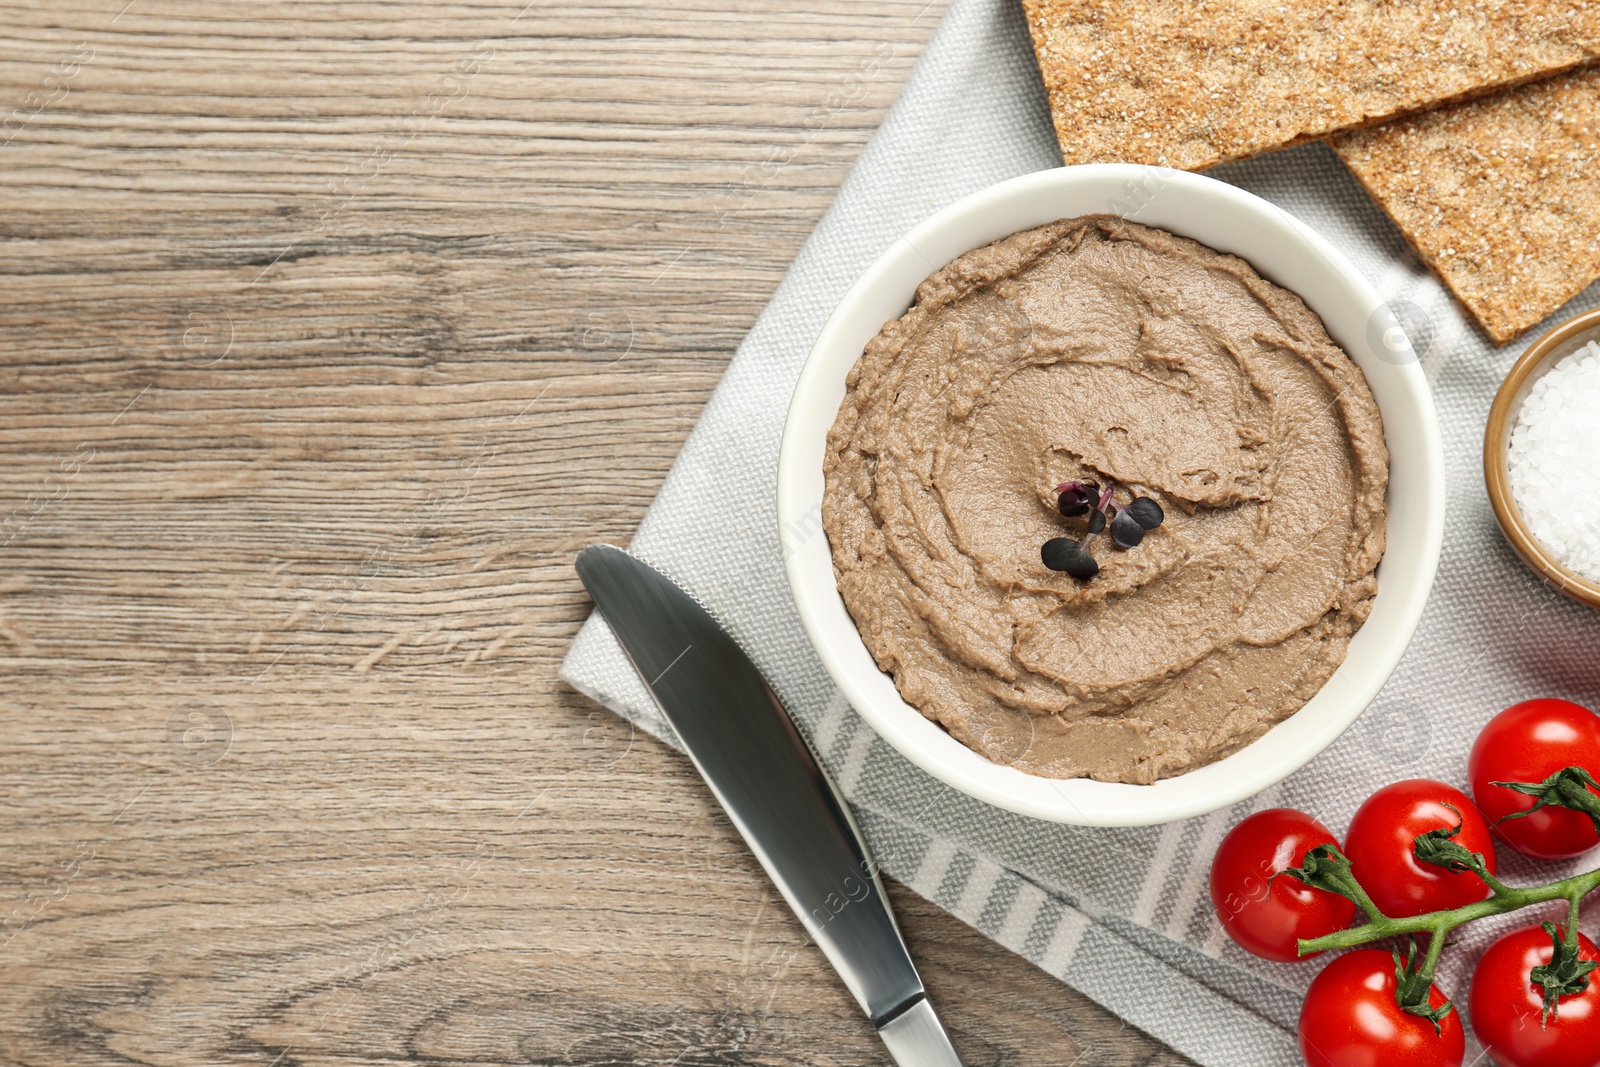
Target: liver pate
<point>1102,350</point>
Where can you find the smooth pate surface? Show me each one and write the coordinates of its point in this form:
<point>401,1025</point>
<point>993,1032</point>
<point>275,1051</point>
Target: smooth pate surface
<point>1102,350</point>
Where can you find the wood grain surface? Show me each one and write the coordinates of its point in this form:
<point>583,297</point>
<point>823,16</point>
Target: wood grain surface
<point>330,332</point>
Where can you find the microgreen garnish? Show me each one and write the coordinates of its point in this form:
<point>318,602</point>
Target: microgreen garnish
<point>1076,497</point>
<point>1146,512</point>
<point>1065,554</point>
<point>1128,523</point>
<point>1125,532</point>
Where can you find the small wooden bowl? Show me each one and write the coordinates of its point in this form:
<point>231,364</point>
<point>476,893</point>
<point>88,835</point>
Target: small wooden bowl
<point>1540,357</point>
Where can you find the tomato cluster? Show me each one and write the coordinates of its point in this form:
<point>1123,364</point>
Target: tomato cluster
<point>1420,847</point>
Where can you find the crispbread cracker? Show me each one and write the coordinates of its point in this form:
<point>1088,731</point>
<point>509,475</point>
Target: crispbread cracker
<point>1500,195</point>
<point>1190,83</point>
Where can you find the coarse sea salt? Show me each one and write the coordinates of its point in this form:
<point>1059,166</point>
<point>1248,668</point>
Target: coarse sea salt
<point>1554,460</point>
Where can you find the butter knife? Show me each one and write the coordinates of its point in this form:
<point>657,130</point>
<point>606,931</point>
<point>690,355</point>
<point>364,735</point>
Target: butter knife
<point>764,774</point>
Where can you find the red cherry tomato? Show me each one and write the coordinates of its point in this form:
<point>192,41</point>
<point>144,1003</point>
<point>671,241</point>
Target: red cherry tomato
<point>1528,742</point>
<point>1351,1019</point>
<point>1381,836</point>
<point>1507,1007</point>
<point>1267,917</point>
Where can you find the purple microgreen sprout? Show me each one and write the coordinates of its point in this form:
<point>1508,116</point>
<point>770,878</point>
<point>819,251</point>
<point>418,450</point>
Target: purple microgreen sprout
<point>1075,497</point>
<point>1146,512</point>
<point>1065,554</point>
<point>1125,531</point>
<point>1128,523</point>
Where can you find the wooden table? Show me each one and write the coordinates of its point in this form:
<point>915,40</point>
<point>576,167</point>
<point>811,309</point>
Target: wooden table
<point>330,333</point>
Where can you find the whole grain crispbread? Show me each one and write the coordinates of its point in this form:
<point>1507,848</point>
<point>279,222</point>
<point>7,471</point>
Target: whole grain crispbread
<point>1192,83</point>
<point>1500,195</point>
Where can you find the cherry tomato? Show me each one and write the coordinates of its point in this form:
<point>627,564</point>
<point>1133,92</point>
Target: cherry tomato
<point>1351,1019</point>
<point>1381,836</point>
<point>1268,921</point>
<point>1507,1007</point>
<point>1528,742</point>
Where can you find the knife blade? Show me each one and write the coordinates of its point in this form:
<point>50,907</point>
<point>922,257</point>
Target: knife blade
<point>765,776</point>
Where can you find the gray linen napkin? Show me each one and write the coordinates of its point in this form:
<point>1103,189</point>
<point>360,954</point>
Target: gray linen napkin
<point>1122,915</point>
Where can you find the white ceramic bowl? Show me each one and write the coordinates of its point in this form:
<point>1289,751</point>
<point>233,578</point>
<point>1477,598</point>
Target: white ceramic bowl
<point>1282,249</point>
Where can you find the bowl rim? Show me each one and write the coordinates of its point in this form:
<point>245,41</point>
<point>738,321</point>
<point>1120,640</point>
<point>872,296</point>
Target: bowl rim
<point>1533,362</point>
<point>1342,294</point>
